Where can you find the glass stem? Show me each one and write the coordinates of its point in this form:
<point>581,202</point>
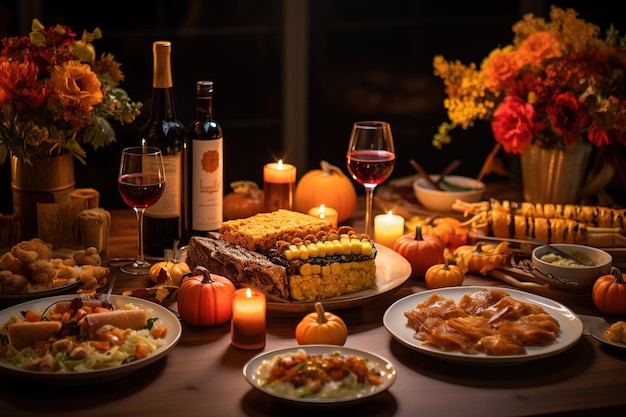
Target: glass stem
<point>369,202</point>
<point>139,212</point>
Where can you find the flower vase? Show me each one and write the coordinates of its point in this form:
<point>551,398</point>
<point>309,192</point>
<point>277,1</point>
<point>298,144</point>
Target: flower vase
<point>43,181</point>
<point>554,175</point>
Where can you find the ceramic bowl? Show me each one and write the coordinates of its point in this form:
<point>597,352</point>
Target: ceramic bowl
<point>571,276</point>
<point>442,201</point>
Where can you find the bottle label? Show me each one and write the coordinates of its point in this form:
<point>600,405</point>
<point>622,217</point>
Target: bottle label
<point>207,185</point>
<point>170,202</point>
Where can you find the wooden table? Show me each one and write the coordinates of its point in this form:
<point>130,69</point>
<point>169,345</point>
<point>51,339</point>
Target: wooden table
<point>202,375</point>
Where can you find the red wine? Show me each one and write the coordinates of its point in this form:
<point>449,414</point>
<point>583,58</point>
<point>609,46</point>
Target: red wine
<point>140,190</point>
<point>205,168</point>
<point>371,167</point>
<point>163,221</point>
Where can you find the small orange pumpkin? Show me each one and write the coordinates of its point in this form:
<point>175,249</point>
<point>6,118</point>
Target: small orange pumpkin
<point>422,251</point>
<point>205,299</point>
<point>443,275</point>
<point>321,327</point>
<point>246,200</point>
<point>328,186</point>
<point>609,293</point>
<point>168,273</point>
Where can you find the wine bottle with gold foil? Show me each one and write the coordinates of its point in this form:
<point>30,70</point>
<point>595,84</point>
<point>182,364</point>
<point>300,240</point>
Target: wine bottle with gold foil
<point>163,221</point>
<point>205,167</point>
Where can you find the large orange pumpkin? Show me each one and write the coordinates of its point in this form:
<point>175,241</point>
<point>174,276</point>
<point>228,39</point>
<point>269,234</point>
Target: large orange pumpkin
<point>328,186</point>
<point>205,299</point>
<point>422,251</point>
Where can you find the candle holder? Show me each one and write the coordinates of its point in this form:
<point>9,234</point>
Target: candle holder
<point>247,324</point>
<point>279,185</point>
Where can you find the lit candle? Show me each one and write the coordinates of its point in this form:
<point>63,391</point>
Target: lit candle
<point>388,228</point>
<point>325,213</point>
<point>247,324</point>
<point>279,184</point>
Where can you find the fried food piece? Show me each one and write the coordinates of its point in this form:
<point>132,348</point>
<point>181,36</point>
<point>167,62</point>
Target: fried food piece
<point>500,345</point>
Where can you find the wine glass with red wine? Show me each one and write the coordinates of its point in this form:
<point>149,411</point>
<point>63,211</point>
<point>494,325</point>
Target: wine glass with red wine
<point>370,159</point>
<point>141,183</point>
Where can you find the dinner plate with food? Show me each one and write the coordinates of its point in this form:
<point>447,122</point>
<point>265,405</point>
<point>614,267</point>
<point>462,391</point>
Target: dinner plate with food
<point>84,340</point>
<point>334,374</point>
<point>483,325</point>
<point>610,334</point>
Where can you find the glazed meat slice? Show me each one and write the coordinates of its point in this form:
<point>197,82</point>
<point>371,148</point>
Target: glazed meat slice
<point>474,303</point>
<point>472,327</point>
<point>500,345</point>
<point>434,306</point>
<point>436,332</point>
<point>533,330</point>
<point>510,309</point>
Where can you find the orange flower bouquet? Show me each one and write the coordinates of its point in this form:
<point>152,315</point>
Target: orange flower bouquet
<point>56,96</point>
<point>557,83</point>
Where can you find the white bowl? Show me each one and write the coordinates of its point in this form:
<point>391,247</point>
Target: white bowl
<point>442,201</point>
<point>575,276</point>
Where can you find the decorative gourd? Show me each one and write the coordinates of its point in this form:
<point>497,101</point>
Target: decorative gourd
<point>439,276</point>
<point>422,251</point>
<point>168,273</point>
<point>246,200</point>
<point>328,186</point>
<point>482,257</point>
<point>321,327</point>
<point>609,293</point>
<point>205,299</point>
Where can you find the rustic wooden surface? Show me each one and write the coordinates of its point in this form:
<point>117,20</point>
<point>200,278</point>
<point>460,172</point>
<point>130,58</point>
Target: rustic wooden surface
<point>202,375</point>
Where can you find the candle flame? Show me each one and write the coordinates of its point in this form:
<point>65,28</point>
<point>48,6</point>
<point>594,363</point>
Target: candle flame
<point>322,211</point>
<point>280,164</point>
<point>389,213</point>
<point>248,293</point>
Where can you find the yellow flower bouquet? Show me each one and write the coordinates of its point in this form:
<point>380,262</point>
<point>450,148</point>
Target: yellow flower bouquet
<point>557,83</point>
<point>56,96</point>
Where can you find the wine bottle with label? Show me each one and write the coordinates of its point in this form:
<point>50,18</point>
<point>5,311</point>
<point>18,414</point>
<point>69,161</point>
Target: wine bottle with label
<point>205,169</point>
<point>163,221</point>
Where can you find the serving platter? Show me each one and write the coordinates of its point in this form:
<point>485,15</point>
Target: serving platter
<point>597,329</point>
<point>174,331</point>
<point>13,297</point>
<point>251,374</point>
<point>392,271</point>
<point>571,327</point>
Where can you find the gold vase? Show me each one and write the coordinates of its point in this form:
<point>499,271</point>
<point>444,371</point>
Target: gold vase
<point>45,180</point>
<point>554,175</point>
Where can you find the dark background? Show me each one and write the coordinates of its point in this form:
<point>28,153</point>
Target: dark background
<point>366,60</point>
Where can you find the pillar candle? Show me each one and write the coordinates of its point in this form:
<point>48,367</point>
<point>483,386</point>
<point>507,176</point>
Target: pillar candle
<point>279,184</point>
<point>247,324</point>
<point>325,213</point>
<point>388,228</point>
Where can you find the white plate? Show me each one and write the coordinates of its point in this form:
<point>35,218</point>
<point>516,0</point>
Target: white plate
<point>174,331</point>
<point>392,271</point>
<point>387,369</point>
<point>571,327</point>
<point>597,330</point>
